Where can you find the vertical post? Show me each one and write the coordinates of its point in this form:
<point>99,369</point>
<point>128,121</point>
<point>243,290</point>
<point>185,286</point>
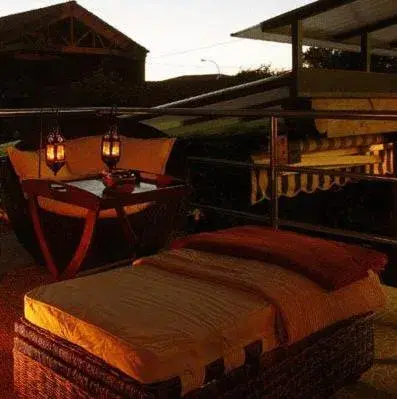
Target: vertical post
<point>273,172</point>
<point>365,52</point>
<point>41,143</point>
<point>72,30</point>
<point>297,54</point>
<point>391,276</point>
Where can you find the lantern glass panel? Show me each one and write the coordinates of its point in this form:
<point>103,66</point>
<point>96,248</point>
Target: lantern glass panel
<point>50,152</point>
<point>116,149</point>
<point>60,152</point>
<point>105,147</point>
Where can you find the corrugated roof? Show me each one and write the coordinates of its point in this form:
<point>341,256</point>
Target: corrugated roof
<point>12,26</point>
<point>335,24</point>
<point>259,94</point>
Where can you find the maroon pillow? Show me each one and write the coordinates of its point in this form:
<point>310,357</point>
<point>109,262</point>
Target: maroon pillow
<point>329,263</point>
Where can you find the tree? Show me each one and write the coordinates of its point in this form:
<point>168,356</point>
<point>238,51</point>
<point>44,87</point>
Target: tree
<point>316,57</point>
<point>103,88</point>
<point>264,71</point>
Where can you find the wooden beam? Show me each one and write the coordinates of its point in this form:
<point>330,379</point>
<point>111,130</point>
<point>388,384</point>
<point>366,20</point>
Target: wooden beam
<point>297,55</point>
<point>365,54</point>
<point>83,36</point>
<point>99,26</point>
<point>68,49</point>
<point>384,23</point>
<point>100,40</point>
<point>71,21</point>
<point>296,37</point>
<point>302,13</point>
<point>96,50</point>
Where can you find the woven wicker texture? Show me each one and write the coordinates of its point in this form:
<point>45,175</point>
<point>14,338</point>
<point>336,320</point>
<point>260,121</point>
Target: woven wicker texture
<point>48,367</point>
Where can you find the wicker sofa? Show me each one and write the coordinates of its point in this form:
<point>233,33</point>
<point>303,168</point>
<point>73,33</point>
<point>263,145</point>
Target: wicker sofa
<point>63,223</point>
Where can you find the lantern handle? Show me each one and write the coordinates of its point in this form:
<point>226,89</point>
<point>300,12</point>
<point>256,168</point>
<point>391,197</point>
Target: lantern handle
<point>113,121</point>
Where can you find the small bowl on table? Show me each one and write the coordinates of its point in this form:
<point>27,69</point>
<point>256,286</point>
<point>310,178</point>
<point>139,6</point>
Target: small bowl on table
<point>119,180</point>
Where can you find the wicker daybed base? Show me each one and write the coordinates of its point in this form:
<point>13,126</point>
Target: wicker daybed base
<point>46,366</point>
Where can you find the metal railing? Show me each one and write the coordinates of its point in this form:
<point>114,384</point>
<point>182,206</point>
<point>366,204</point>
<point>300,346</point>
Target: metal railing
<point>274,168</point>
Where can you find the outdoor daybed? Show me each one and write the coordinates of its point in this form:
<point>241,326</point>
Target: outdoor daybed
<point>63,223</point>
<point>244,312</point>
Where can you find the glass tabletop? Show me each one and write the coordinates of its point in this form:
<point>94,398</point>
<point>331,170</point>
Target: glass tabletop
<point>95,186</point>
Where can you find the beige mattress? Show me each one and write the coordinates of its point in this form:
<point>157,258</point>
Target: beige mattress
<point>174,313</point>
<point>154,325</point>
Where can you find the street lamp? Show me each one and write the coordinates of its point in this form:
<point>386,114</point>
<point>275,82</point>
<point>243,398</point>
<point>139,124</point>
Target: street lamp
<point>217,66</point>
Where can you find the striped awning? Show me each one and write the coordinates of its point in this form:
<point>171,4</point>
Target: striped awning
<point>378,160</point>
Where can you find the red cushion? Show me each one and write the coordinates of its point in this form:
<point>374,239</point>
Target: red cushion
<point>330,263</point>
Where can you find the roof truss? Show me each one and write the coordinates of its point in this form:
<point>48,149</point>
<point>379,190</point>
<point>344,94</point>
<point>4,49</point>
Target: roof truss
<point>68,28</point>
<point>67,35</point>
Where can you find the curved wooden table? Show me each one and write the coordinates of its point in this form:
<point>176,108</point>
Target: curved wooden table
<point>91,194</point>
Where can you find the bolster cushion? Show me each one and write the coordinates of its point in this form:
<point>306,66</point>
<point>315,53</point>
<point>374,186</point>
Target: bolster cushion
<point>329,263</point>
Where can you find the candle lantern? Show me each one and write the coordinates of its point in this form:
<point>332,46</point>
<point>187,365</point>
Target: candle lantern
<point>55,150</point>
<point>111,147</point>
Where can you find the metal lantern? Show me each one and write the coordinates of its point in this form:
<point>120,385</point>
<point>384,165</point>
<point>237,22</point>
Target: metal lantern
<point>111,147</point>
<point>55,150</point>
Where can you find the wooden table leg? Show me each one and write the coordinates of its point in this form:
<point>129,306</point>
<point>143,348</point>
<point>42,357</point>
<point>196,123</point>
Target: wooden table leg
<point>84,245</point>
<point>38,228</point>
<point>81,251</point>
<point>129,233</point>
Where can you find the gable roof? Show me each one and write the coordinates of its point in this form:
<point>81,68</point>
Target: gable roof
<point>335,24</point>
<point>12,26</point>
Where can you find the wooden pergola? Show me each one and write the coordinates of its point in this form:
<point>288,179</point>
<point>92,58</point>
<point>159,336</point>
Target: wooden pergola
<point>365,26</point>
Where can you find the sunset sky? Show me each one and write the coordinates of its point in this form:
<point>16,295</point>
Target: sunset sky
<point>179,33</point>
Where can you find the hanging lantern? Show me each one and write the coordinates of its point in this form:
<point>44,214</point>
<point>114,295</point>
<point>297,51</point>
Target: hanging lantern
<point>111,147</point>
<point>55,150</point>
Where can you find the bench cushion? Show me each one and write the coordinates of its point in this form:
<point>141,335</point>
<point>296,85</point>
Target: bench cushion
<point>149,155</point>
<point>83,155</point>
<point>26,166</point>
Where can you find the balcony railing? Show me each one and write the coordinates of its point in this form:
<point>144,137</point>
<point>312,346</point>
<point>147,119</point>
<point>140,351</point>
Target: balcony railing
<point>274,167</point>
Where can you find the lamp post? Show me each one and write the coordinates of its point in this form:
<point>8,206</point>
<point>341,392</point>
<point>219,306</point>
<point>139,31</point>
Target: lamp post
<point>217,66</point>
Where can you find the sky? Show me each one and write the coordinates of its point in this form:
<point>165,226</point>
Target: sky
<point>180,33</point>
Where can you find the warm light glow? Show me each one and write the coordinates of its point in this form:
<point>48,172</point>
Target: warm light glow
<point>111,148</point>
<point>106,148</point>
<point>55,151</point>
<point>116,149</point>
<point>50,154</point>
<point>60,152</point>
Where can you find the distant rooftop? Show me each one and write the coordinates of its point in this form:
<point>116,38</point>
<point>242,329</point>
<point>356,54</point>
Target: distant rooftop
<point>13,26</point>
